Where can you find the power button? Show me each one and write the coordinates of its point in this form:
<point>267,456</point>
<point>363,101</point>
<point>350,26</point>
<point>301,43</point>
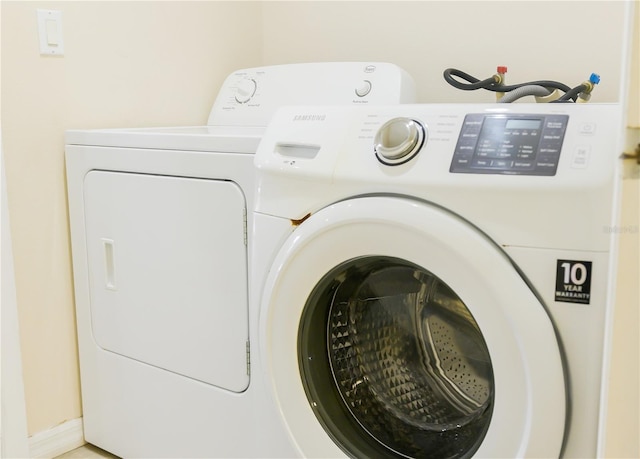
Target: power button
<point>587,128</point>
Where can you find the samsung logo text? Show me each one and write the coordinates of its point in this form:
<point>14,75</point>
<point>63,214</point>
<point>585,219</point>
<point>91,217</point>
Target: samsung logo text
<point>309,117</point>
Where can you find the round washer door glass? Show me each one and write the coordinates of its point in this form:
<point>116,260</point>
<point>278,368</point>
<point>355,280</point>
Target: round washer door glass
<point>394,351</point>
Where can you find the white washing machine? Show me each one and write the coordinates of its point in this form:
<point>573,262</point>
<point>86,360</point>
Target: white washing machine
<point>435,279</point>
<point>160,254</point>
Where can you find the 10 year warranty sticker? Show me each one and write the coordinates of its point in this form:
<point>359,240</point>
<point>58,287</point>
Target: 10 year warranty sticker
<point>573,281</point>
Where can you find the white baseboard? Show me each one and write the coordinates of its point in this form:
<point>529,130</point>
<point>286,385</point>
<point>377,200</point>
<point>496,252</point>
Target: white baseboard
<point>57,440</point>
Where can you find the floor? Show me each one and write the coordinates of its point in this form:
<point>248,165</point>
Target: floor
<point>87,452</point>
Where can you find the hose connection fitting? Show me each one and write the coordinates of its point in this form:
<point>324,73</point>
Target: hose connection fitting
<point>499,76</point>
<point>589,85</point>
<point>500,80</point>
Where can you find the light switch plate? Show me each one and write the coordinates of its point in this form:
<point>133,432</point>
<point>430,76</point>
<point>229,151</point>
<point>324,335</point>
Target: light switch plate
<point>50,32</point>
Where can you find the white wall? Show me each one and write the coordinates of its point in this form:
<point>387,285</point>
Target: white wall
<point>13,429</point>
<point>125,64</point>
<point>560,40</point>
<point>634,84</point>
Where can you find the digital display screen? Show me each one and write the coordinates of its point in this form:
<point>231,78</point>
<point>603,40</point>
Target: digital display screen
<point>516,144</point>
<point>523,124</point>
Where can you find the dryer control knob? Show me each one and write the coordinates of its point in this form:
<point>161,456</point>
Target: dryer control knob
<point>245,90</point>
<point>363,88</point>
<point>398,140</point>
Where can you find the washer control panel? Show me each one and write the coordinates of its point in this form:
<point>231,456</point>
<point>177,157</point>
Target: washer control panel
<point>519,144</point>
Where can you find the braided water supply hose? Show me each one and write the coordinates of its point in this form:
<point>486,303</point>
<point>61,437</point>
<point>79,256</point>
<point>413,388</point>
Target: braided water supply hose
<point>543,90</point>
<point>523,91</point>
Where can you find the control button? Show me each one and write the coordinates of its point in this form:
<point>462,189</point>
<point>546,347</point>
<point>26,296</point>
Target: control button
<point>580,158</point>
<point>471,135</point>
<point>553,124</point>
<point>481,163</point>
<point>461,161</point>
<point>547,159</point>
<point>465,148</point>
<point>523,165</point>
<point>363,88</point>
<point>587,128</point>
<point>500,164</point>
<point>471,120</point>
<point>245,90</point>
<point>398,140</point>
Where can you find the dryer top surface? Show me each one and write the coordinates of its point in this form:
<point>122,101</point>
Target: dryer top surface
<point>231,139</point>
<point>248,98</point>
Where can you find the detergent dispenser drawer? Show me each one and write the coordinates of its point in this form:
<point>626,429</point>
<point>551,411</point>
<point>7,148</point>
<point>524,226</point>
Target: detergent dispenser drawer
<point>167,262</point>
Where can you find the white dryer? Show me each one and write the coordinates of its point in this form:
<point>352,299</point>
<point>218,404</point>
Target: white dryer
<point>160,255</point>
<point>435,279</point>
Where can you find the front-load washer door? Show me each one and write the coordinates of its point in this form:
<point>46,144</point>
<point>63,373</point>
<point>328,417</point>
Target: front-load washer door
<point>167,268</point>
<point>392,328</point>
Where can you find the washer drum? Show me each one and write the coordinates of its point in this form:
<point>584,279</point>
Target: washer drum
<point>394,363</point>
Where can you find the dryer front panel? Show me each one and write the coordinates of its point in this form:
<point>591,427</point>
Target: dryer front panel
<point>392,328</point>
<point>167,263</point>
